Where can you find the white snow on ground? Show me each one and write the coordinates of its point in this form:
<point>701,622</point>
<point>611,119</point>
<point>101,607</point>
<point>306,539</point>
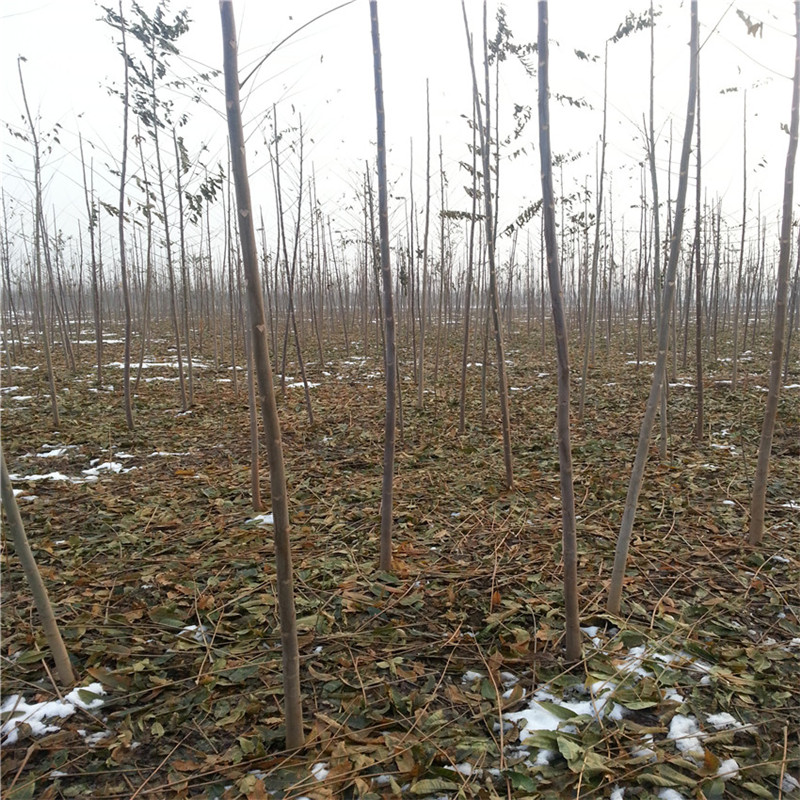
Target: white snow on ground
<point>55,451</point>
<point>5,389</point>
<point>16,711</point>
<point>683,730</point>
<point>198,632</point>
<point>263,519</point>
<point>539,718</point>
<point>728,769</point>
<point>320,771</point>
<point>52,476</point>
<point>297,384</point>
<point>670,794</point>
<point>106,466</point>
<point>723,720</point>
<point>165,453</point>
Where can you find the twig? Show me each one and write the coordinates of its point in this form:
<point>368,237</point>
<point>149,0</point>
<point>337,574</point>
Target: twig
<point>783,760</point>
<point>155,771</point>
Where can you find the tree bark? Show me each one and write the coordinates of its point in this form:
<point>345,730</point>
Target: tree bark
<point>637,473</point>
<point>388,305</point>
<point>38,589</point>
<point>758,501</point>
<point>269,409</point>
<point>569,539</point>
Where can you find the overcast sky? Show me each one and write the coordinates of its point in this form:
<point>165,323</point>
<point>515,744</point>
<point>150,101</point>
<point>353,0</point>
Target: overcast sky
<point>325,75</point>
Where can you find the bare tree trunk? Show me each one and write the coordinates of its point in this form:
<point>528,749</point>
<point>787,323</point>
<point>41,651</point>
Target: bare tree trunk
<point>592,310</point>
<point>637,473</point>
<point>423,289</point>
<point>388,305</point>
<point>698,334</point>
<point>758,501</point>
<point>123,260</point>
<point>468,288</point>
<point>269,409</point>
<point>490,243</point>
<point>735,355</point>
<point>179,168</point>
<point>38,590</point>
<point>569,539</point>
<point>37,251</point>
<point>91,212</point>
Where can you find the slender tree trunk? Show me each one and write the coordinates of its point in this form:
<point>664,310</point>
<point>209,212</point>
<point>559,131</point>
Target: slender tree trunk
<point>424,285</point>
<point>490,243</point>
<point>596,251</point>
<point>698,334</point>
<point>468,288</point>
<point>758,502</point>
<point>37,252</point>
<point>637,473</point>
<point>569,539</point>
<point>38,590</point>
<point>388,305</point>
<point>185,293</point>
<point>91,212</point>
<point>735,355</point>
<point>123,260</point>
<point>269,409</point>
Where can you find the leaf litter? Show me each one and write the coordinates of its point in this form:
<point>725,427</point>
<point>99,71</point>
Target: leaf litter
<point>442,679</point>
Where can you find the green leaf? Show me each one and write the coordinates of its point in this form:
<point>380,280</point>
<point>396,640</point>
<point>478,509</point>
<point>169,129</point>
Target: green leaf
<point>241,674</point>
<point>569,749</point>
<point>557,710</point>
<point>521,781</point>
<point>432,785</point>
<point>758,790</point>
<point>163,615</point>
<point>88,697</point>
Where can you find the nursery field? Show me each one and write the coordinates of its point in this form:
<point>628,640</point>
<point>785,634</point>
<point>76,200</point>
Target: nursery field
<point>444,678</point>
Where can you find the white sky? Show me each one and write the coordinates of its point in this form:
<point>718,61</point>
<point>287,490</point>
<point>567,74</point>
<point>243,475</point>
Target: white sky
<point>325,74</point>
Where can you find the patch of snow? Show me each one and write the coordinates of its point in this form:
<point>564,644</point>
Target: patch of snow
<point>644,751</point>
<point>684,732</point>
<point>723,720</point>
<point>728,769</point>
<point>670,794</point>
<point>320,771</point>
<point>51,476</point>
<point>107,466</point>
<point>56,451</point>
<point>462,769</point>
<point>263,519</point>
<point>34,714</point>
